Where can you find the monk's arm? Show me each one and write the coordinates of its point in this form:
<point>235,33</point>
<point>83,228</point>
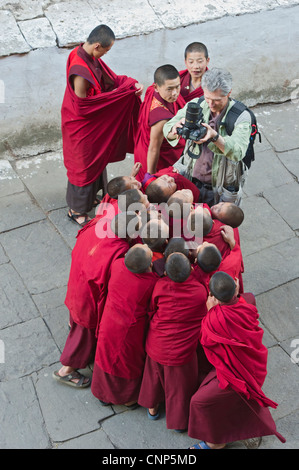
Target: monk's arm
<point>156,139</point>
<point>80,86</point>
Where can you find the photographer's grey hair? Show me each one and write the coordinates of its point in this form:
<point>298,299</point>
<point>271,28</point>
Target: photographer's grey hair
<point>217,79</point>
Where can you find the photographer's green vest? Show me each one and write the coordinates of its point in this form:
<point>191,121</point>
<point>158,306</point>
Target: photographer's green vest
<point>229,169</point>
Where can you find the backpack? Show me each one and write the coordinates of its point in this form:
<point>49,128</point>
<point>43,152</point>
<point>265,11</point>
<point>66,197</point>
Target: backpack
<point>229,124</point>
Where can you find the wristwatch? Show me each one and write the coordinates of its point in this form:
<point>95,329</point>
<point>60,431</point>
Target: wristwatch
<point>215,138</point>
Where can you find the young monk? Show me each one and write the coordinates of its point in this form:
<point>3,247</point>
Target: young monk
<point>120,354</point>
<point>171,368</point>
<point>160,186</point>
<point>161,102</point>
<point>230,404</point>
<point>98,113</point>
<point>92,258</point>
<point>196,61</point>
<point>228,213</point>
<point>155,234</point>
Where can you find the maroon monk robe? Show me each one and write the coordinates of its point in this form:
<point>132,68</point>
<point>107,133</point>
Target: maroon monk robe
<point>154,109</point>
<point>95,249</point>
<point>186,92</point>
<point>98,129</point>
<point>216,238</point>
<point>232,341</point>
<point>120,349</point>
<point>177,310</point>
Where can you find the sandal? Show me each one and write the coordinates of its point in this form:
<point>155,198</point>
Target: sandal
<point>153,417</point>
<point>74,218</point>
<point>97,201</point>
<point>67,379</point>
<point>200,445</point>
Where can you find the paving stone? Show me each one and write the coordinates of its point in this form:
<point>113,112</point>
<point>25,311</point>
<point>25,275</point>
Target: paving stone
<point>132,14</point>
<point>68,412</point>
<point>24,9</point>
<point>144,434</point>
<point>16,305</point>
<point>3,257</point>
<point>39,255</point>
<point>291,161</point>
<point>29,346</point>
<point>66,228</point>
<point>285,201</point>
<point>279,383</point>
<point>176,13</point>
<point>93,440</point>
<point>18,210</point>
<point>289,428</point>
<point>10,182</point>
<point>271,267</point>
<point>38,33</point>
<point>21,417</point>
<point>279,123</point>
<point>55,313</point>
<point>11,38</point>
<point>274,173</point>
<point>275,305</point>
<point>273,231</point>
<point>45,177</point>
<point>72,21</point>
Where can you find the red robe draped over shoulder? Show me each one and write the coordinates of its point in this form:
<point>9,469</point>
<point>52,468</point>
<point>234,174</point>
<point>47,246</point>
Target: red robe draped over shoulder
<point>168,154</point>
<point>185,87</point>
<point>121,336</point>
<point>98,129</point>
<point>95,250</point>
<point>232,341</point>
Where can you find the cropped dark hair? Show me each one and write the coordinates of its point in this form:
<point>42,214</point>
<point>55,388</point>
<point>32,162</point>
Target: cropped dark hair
<point>197,47</point>
<point>102,34</point>
<point>165,72</point>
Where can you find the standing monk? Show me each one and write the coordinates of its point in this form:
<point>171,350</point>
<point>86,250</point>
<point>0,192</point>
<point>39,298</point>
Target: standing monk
<point>99,113</point>
<point>161,102</point>
<point>230,404</point>
<point>196,61</point>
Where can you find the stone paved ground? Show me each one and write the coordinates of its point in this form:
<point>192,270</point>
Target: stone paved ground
<point>36,240</point>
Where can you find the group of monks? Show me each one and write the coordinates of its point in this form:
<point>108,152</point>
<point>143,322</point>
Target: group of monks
<point>155,291</point>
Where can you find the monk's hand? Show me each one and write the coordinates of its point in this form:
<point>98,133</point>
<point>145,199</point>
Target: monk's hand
<point>136,169</point>
<point>139,87</point>
<point>228,235</point>
<point>173,134</point>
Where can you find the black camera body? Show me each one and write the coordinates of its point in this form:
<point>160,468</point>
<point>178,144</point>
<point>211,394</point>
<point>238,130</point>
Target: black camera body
<point>192,129</point>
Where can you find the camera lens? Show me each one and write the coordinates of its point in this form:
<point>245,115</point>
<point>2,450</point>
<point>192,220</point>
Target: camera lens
<point>192,115</point>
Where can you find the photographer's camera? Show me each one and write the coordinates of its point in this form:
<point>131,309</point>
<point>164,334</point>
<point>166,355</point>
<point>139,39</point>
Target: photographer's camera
<point>192,129</point>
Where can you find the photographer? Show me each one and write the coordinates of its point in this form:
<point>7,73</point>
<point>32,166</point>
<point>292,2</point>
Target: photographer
<point>214,159</point>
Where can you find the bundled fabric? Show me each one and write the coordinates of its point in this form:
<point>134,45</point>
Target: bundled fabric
<point>232,341</point>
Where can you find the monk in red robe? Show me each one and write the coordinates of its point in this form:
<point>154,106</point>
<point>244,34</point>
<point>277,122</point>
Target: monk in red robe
<point>196,61</point>
<point>98,244</point>
<point>230,404</point>
<point>171,368</point>
<point>120,352</point>
<point>161,185</point>
<point>99,116</point>
<point>161,102</point>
